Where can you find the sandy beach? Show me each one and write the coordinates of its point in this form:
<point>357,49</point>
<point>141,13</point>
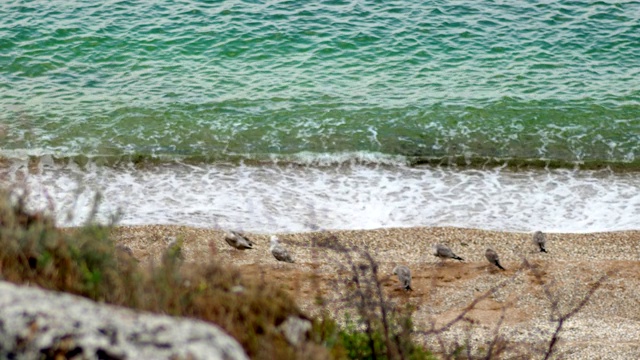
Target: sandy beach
<point>608,327</point>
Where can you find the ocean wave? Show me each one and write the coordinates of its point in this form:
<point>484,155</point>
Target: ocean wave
<point>559,132</point>
<point>287,197</point>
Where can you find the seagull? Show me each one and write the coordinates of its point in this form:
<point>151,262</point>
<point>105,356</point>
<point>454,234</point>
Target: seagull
<point>237,240</point>
<point>492,256</point>
<point>404,275</point>
<point>539,238</point>
<point>443,251</point>
<point>124,250</point>
<point>278,251</point>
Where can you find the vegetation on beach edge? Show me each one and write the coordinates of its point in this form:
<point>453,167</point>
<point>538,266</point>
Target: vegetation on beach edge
<point>86,261</point>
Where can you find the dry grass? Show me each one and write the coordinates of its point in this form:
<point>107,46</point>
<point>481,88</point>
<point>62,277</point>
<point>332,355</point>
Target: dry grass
<point>86,262</point>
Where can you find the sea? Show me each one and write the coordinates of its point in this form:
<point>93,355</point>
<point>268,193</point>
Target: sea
<point>290,116</point>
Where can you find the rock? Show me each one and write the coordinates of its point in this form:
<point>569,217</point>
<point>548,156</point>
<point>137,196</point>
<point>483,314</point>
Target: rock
<point>295,329</point>
<point>36,323</point>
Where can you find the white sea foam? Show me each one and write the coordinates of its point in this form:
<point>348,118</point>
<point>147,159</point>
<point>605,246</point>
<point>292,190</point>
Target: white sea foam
<point>349,196</point>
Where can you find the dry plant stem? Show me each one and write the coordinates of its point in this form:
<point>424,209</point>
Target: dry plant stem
<point>365,294</point>
<point>467,340</point>
<point>365,303</point>
<point>94,209</point>
<point>462,317</point>
<point>363,307</point>
<point>497,339</point>
<point>381,300</point>
<point>556,314</point>
<point>465,311</point>
<point>561,319</point>
<point>497,345</point>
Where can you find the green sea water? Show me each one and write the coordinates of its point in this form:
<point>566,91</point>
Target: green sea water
<point>470,82</point>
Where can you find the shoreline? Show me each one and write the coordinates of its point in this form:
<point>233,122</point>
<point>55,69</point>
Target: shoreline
<point>283,199</point>
<point>608,326</point>
<point>510,244</point>
<point>304,159</point>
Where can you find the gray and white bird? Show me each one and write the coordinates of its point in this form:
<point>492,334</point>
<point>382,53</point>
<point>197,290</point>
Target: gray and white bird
<point>404,275</point>
<point>124,253</point>
<point>443,251</point>
<point>124,250</point>
<point>493,258</point>
<point>278,251</point>
<point>237,240</point>
<point>540,239</point>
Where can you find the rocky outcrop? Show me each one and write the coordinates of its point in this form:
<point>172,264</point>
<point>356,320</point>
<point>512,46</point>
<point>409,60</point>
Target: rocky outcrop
<point>35,323</point>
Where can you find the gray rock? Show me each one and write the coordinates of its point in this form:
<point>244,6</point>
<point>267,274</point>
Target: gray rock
<point>36,323</point>
<point>295,329</point>
<point>238,240</point>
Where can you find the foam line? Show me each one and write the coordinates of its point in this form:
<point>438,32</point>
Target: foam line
<point>350,196</point>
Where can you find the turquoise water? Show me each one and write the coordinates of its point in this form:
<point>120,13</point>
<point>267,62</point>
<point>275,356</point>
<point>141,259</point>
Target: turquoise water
<point>297,116</point>
<point>375,81</point>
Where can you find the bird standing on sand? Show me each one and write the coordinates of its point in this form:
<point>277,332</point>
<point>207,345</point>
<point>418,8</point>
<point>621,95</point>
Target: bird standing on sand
<point>404,275</point>
<point>443,251</point>
<point>124,253</point>
<point>237,240</point>
<point>492,256</point>
<point>278,251</point>
<point>124,250</point>
<point>540,239</point>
